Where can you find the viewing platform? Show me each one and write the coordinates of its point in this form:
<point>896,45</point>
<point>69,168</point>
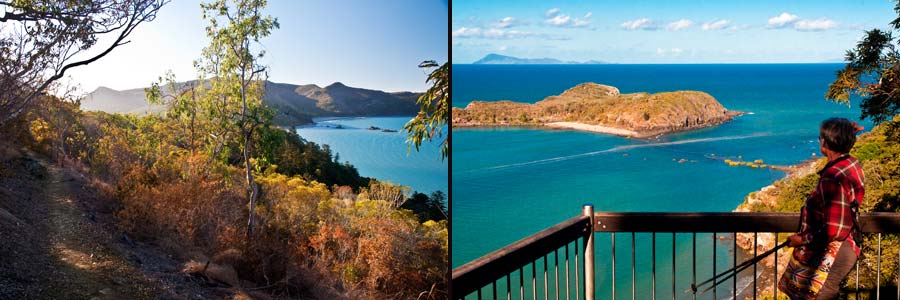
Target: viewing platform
<point>559,262</point>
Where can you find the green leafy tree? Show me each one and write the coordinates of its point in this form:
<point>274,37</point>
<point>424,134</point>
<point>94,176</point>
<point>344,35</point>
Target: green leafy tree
<point>237,79</point>
<point>872,72</point>
<point>42,39</point>
<point>434,110</point>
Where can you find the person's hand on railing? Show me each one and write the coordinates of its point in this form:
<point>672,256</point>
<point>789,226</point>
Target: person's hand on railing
<point>795,240</point>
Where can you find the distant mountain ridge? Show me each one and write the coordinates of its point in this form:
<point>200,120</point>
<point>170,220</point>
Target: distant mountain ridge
<point>294,104</point>
<point>497,59</point>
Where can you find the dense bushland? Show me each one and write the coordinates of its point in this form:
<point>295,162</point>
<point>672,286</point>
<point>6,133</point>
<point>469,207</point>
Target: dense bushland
<point>321,231</point>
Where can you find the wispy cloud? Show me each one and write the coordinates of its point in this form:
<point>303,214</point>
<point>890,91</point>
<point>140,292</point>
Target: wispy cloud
<point>679,25</point>
<point>643,24</point>
<point>501,34</point>
<point>787,20</point>
<point>466,32</point>
<point>783,20</point>
<point>552,12</point>
<point>560,20</point>
<point>815,25</point>
<point>507,22</point>
<point>715,25</point>
<point>672,51</point>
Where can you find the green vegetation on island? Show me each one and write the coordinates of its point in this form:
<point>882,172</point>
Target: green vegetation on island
<point>636,114</point>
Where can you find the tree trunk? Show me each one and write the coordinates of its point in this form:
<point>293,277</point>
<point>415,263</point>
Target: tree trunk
<point>254,190</point>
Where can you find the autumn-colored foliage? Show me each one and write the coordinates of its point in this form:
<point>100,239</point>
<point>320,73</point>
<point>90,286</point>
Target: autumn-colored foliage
<point>351,240</point>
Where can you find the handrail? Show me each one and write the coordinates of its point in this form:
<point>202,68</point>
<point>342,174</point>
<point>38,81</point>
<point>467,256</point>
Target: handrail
<point>726,222</point>
<point>484,270</point>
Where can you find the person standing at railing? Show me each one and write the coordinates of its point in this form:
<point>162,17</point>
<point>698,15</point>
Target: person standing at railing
<point>825,249</point>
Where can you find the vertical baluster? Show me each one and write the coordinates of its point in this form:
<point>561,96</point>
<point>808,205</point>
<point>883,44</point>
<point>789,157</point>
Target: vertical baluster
<point>478,294</point>
<point>673,266</point>
<point>857,280</point>
<point>714,264</point>
<point>775,276</point>
<point>508,288</point>
<point>494,289</point>
<point>613,239</point>
<point>755,239</point>
<point>577,290</point>
<point>522,283</point>
<point>567,271</point>
<point>694,259</point>
<point>733,264</point>
<point>632,266</point>
<point>556,270</point>
<point>546,280</point>
<point>534,280</point>
<point>653,265</point>
<point>898,275</point>
<point>878,274</point>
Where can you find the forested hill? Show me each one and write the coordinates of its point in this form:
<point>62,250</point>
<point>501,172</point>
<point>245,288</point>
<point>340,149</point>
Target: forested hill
<point>294,104</point>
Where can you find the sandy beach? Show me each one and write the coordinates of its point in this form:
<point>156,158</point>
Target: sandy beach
<point>593,128</point>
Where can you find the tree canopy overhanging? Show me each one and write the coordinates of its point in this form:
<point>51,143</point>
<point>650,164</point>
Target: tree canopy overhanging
<point>42,39</point>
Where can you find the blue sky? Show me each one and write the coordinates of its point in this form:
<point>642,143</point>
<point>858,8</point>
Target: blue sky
<point>665,31</point>
<point>369,44</point>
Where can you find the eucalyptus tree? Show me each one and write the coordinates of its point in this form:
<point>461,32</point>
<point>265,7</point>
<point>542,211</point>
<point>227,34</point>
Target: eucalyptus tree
<point>236,78</point>
<point>42,39</point>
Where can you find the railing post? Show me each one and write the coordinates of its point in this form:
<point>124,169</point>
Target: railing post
<point>588,210</point>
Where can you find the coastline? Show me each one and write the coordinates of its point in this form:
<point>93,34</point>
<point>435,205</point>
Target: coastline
<point>584,127</point>
<point>593,128</point>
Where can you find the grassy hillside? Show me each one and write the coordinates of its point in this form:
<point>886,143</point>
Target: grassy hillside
<point>294,104</point>
<point>323,232</point>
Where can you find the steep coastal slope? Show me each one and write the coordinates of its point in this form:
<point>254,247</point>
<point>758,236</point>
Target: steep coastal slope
<point>601,108</point>
<point>294,104</point>
<point>879,153</point>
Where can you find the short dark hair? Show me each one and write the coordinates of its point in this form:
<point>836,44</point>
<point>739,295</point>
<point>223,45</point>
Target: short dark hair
<point>838,134</point>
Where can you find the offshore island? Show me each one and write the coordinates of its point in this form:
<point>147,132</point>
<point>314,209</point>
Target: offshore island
<point>601,108</point>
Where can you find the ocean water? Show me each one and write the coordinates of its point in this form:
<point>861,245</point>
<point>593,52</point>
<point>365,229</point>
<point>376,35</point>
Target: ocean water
<point>509,183</point>
<point>382,155</point>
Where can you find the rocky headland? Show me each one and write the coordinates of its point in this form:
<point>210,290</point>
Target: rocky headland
<point>601,108</point>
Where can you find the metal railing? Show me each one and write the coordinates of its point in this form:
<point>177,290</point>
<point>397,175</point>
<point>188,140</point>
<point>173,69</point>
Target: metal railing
<point>543,251</point>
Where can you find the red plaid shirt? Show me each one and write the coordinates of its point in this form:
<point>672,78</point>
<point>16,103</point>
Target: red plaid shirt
<point>827,216</point>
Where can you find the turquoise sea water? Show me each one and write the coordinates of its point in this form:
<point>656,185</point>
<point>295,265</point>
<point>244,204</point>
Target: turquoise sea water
<point>510,182</point>
<point>382,155</point>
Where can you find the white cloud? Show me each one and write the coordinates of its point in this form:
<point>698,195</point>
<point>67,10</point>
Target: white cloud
<point>672,51</point>
<point>679,25</point>
<point>561,20</point>
<point>738,27</point>
<point>783,20</point>
<point>505,34</point>
<point>815,25</point>
<point>644,23</point>
<point>492,33</point>
<point>506,22</point>
<point>502,48</point>
<point>558,20</point>
<point>715,25</point>
<point>464,32</point>
<point>551,12</point>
